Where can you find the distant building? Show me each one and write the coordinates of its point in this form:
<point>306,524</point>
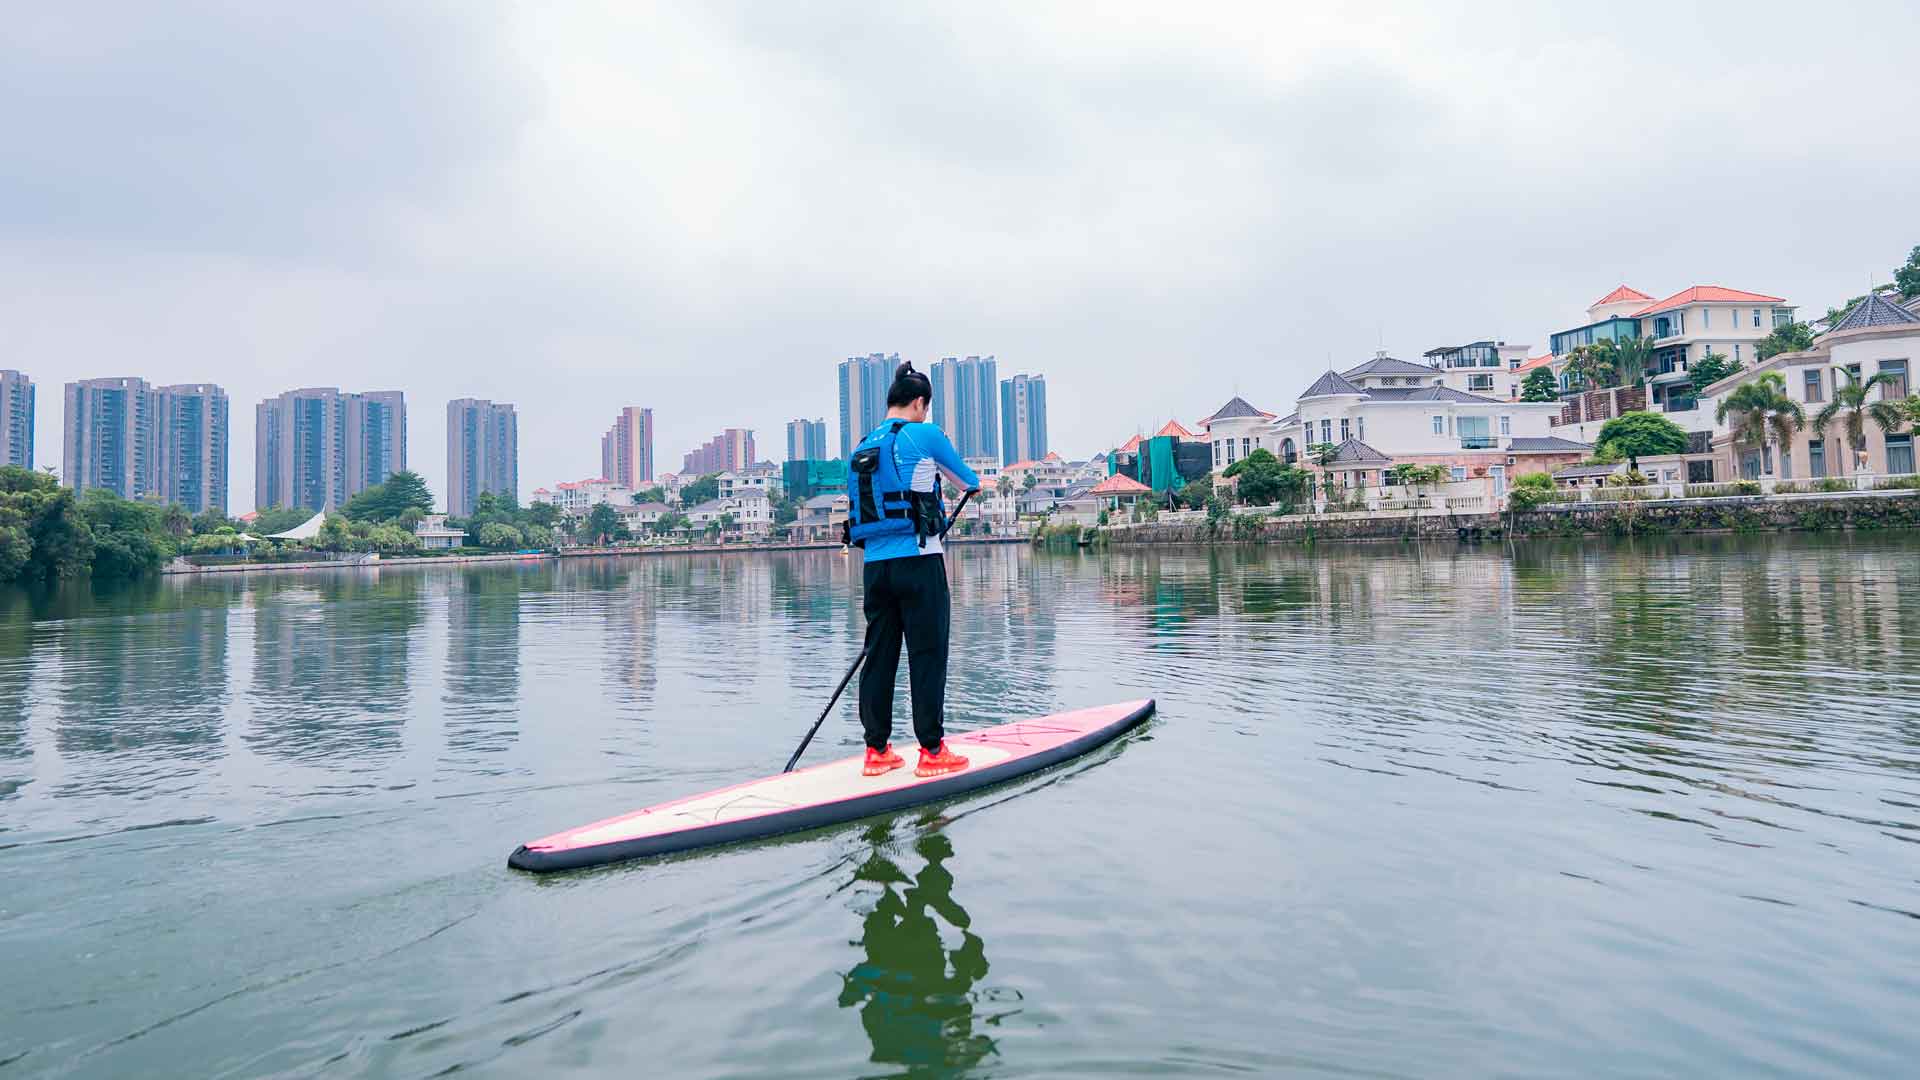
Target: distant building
<point>483,452</point>
<point>1684,328</point>
<point>579,496</point>
<point>749,516</point>
<point>1165,461</point>
<point>626,450</point>
<point>820,518</point>
<point>731,450</point>
<point>434,535</point>
<point>16,419</point>
<point>167,444</point>
<point>1477,368</point>
<point>806,440</point>
<point>763,479</point>
<point>863,396</point>
<point>966,404</point>
<point>805,479</point>
<point>317,447</point>
<point>1023,418</point>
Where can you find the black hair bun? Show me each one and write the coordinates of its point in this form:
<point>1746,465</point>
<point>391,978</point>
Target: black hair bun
<point>904,370</point>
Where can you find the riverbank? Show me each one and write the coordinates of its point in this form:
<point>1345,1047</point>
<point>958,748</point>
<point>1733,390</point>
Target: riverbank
<point>358,562</point>
<point>1897,509</point>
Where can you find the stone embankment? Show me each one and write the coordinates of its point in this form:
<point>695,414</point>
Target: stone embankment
<point>1823,512</point>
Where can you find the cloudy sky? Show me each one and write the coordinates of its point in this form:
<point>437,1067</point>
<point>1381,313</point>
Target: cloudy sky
<point>703,207</point>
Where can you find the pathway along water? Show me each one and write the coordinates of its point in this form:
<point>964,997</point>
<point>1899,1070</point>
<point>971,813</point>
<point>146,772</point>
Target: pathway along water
<point>1647,808</point>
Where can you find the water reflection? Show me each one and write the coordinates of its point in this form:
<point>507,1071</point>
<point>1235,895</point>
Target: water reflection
<point>482,686</point>
<point>330,663</point>
<point>916,992</point>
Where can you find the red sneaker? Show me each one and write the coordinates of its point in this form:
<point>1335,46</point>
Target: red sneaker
<point>881,760</point>
<point>939,763</point>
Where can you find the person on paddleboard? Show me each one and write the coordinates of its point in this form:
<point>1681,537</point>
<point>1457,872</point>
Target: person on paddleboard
<point>894,514</point>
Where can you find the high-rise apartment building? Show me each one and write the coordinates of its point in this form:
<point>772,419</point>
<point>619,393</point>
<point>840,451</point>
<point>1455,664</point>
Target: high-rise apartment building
<point>165,443</point>
<point>966,404</point>
<point>190,446</point>
<point>317,447</point>
<point>1023,419</point>
<point>16,419</point>
<point>108,442</point>
<point>626,450</point>
<point>863,396</point>
<point>483,452</point>
<point>729,451</point>
<point>806,440</point>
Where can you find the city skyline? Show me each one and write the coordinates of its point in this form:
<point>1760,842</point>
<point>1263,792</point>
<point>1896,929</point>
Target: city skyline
<point>966,404</point>
<point>806,439</point>
<point>729,451</point>
<point>316,447</point>
<point>140,441</point>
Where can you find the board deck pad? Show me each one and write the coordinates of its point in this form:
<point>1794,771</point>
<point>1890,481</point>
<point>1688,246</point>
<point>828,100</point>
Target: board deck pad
<point>831,793</point>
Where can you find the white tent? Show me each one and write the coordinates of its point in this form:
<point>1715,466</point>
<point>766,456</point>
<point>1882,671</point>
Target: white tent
<point>306,531</point>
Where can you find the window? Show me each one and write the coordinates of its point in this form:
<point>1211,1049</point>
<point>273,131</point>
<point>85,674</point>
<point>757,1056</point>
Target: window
<point>1786,462</point>
<point>1245,447</point>
<point>1813,387</point>
<point>1756,318</point>
<point>1766,459</point>
<point>1474,433</point>
<point>1230,458</point>
<point>1479,382</point>
<point>1326,431</point>
<point>1817,459</point>
<point>1706,318</point>
<point>1506,425</point>
<point>1736,352</point>
<point>1216,453</point>
<point>1437,426</point>
<point>1900,454</point>
<point>1346,429</point>
<point>1458,472</point>
<point>1362,425</point>
<point>1898,387</point>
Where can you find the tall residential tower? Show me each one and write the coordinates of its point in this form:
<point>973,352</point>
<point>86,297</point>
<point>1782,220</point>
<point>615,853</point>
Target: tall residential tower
<point>626,450</point>
<point>966,404</point>
<point>729,451</point>
<point>863,396</point>
<point>1023,419</point>
<point>317,447</point>
<point>806,440</point>
<point>483,452</point>
<point>141,442</point>
<point>16,419</point>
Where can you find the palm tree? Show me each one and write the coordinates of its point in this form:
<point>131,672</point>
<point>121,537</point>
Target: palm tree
<point>1853,405</point>
<point>1322,454</point>
<point>1760,408</point>
<point>1595,366</point>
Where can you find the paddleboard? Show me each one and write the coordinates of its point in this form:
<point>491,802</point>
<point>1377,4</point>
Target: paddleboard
<point>831,793</point>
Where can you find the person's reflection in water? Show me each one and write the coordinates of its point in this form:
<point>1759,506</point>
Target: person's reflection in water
<point>915,994</point>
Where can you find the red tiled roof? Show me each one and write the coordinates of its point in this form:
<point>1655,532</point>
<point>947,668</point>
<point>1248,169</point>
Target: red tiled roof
<point>1131,445</point>
<point>1534,362</point>
<point>1707,294</point>
<point>1620,294</point>
<point>1173,428</point>
<point>1120,484</point>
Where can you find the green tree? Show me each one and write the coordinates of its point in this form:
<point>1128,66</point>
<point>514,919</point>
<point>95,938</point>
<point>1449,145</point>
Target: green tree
<point>538,536</point>
<point>176,522</point>
<point>1617,361</point>
<point>1854,404</point>
<point>1710,369</point>
<point>43,536</point>
<point>1642,434</point>
<point>1787,337</point>
<point>130,538</point>
<point>602,523</point>
<point>278,519</point>
<point>655,494</point>
<point>1539,385</point>
<point>211,521</point>
<point>392,540</point>
<point>705,489</point>
<point>543,514</point>
<point>500,536</point>
<point>1531,490</point>
<point>1594,367</point>
<point>1197,491</point>
<point>1907,277</point>
<point>1761,407</point>
<point>336,534</point>
<point>385,502</point>
<point>1912,407</point>
<point>668,524</point>
<point>726,523</point>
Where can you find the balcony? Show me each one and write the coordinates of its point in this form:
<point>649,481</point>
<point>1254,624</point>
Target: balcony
<point>1478,442</point>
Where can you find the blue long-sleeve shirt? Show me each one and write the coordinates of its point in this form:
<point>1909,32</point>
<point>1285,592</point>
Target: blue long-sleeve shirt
<point>926,455</point>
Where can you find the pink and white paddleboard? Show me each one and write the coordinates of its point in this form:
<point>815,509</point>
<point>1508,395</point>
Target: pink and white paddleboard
<point>828,794</point>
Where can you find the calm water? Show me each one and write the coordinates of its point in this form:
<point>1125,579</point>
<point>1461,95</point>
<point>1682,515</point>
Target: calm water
<point>1646,809</point>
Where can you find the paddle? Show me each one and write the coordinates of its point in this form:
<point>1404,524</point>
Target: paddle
<point>848,677</point>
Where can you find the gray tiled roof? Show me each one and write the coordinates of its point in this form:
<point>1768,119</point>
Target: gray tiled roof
<point>1534,445</point>
<point>1330,384</point>
<point>1387,365</point>
<point>1235,409</point>
<point>1583,471</point>
<point>1430,393</point>
<point>1874,310</point>
<point>825,501</point>
<point>1355,452</point>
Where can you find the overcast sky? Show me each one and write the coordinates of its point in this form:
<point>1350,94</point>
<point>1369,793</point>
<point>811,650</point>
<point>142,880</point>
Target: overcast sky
<point>702,208</point>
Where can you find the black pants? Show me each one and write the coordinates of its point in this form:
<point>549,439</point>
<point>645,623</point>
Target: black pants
<point>906,597</point>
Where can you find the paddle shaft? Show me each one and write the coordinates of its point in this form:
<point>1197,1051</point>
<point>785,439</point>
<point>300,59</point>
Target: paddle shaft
<point>857,661</point>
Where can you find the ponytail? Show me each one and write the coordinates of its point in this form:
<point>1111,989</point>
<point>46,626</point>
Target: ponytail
<point>908,386</point>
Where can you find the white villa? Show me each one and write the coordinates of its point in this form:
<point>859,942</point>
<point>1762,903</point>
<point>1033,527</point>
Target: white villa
<point>575,497</point>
